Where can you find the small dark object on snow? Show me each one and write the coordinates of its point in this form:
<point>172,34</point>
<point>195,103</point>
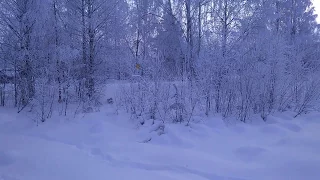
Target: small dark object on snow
<point>110,101</point>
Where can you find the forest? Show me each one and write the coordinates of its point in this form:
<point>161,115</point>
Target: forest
<point>169,59</point>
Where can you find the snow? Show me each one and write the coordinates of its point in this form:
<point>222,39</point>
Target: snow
<point>104,145</point>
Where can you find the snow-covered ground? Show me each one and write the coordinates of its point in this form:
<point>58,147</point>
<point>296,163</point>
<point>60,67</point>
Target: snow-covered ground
<point>103,145</point>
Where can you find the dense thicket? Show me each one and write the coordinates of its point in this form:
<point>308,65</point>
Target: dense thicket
<point>182,58</point>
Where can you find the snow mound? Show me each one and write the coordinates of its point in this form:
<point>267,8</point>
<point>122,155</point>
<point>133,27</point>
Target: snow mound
<point>105,146</point>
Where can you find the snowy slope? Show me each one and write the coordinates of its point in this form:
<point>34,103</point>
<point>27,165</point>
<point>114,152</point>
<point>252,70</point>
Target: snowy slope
<point>105,146</point>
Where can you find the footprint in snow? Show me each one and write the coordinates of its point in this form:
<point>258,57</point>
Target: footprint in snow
<point>291,127</point>
<point>98,152</point>
<point>249,153</point>
<point>7,177</point>
<point>95,129</point>
<point>5,159</point>
<point>272,130</point>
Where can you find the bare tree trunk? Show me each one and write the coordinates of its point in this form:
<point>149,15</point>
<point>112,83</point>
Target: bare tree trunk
<point>199,28</point>
<point>15,84</point>
<point>225,28</point>
<point>84,72</point>
<point>189,60</point>
<point>2,94</point>
<point>55,11</point>
<point>90,69</point>
<point>27,83</point>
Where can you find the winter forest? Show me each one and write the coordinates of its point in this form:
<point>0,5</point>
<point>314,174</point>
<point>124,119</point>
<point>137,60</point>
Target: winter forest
<point>174,59</point>
<point>159,89</point>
